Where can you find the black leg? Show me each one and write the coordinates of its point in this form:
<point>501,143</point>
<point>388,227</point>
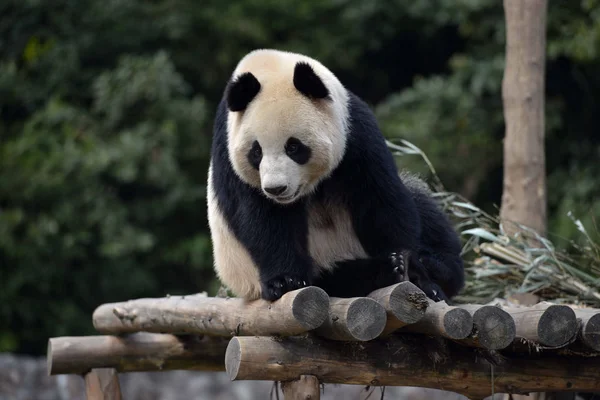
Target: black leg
<point>354,278</point>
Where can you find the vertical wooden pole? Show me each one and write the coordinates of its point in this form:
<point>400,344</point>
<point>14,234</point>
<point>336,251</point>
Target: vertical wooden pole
<point>524,193</point>
<point>305,388</point>
<point>102,384</point>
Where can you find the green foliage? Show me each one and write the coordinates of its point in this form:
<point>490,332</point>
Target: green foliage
<point>457,118</point>
<point>93,200</point>
<point>106,110</point>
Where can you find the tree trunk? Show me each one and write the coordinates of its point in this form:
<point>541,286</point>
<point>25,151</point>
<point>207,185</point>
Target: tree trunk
<point>524,192</point>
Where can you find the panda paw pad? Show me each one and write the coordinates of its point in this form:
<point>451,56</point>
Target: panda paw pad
<point>280,285</point>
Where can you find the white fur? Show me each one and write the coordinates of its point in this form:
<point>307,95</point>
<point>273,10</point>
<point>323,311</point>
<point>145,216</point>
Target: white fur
<point>232,262</point>
<point>277,169</point>
<point>278,112</point>
<point>331,236</point>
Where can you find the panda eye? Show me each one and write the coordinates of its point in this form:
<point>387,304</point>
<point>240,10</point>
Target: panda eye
<point>255,155</point>
<point>292,148</point>
<point>297,151</point>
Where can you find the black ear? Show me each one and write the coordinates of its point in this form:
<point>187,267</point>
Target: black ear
<point>308,83</point>
<point>241,91</point>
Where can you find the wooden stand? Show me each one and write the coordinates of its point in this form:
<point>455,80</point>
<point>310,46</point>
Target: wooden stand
<point>393,337</point>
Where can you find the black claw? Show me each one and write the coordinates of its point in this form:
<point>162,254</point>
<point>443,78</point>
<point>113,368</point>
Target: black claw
<point>400,263</point>
<point>277,287</point>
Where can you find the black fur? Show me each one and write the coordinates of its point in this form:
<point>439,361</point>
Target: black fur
<point>297,151</point>
<point>388,217</point>
<point>241,91</point>
<point>308,83</point>
<point>255,155</point>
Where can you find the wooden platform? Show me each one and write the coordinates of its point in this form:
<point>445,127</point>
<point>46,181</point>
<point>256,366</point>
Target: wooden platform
<point>393,337</point>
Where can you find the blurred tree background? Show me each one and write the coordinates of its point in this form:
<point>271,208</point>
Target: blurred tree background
<point>106,114</point>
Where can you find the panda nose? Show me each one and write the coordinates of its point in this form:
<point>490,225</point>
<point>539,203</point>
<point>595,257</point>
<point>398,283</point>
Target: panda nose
<point>275,190</point>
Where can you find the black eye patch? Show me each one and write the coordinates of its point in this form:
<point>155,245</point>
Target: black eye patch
<point>297,151</point>
<point>255,155</point>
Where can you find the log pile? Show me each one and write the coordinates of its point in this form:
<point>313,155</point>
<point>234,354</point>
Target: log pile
<point>395,336</point>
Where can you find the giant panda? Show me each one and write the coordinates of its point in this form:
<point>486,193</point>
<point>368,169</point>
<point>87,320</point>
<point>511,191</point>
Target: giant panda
<point>303,190</point>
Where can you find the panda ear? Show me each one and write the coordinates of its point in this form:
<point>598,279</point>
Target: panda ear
<point>308,83</point>
<point>241,91</point>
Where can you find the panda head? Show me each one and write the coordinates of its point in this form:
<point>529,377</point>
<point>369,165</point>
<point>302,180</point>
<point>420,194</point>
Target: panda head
<point>286,124</point>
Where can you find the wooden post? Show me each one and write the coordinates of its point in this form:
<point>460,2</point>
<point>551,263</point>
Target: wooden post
<point>102,384</point>
<point>305,388</point>
<point>524,192</point>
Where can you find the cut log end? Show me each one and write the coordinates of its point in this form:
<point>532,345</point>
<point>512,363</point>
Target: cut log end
<point>458,323</point>
<point>233,355</point>
<point>366,319</point>
<point>311,307</point>
<point>353,319</point>
<point>408,303</point>
<point>495,327</point>
<point>557,326</point>
<point>590,333</point>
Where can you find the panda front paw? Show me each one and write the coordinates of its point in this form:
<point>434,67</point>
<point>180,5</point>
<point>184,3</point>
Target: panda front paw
<point>274,288</point>
<point>400,263</point>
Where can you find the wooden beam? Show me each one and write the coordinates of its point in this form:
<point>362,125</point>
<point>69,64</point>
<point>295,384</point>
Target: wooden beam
<point>407,360</point>
<point>135,352</point>
<point>295,312</point>
<point>102,384</point>
<point>356,318</point>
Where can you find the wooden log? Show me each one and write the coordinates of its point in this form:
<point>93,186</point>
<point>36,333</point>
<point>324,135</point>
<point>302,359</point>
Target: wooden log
<point>589,334</point>
<point>102,384</point>
<point>404,303</point>
<point>443,320</point>
<point>406,360</point>
<point>549,325</point>
<point>494,328</point>
<point>294,313</point>
<point>356,318</point>
<point>305,388</point>
<point>136,352</point>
